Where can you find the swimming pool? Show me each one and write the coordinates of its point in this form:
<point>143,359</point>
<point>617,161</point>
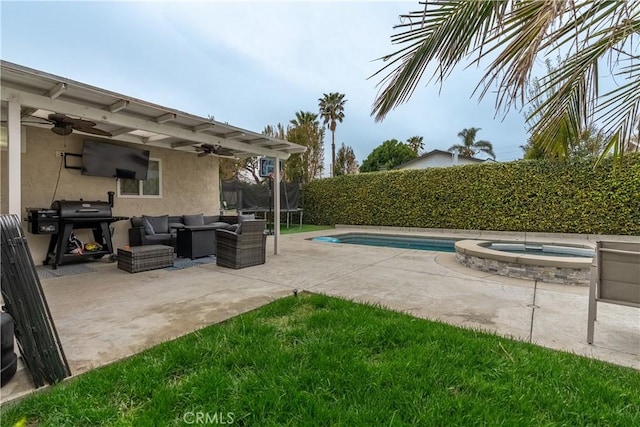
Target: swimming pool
<point>392,241</point>
<point>555,263</point>
<point>448,245</point>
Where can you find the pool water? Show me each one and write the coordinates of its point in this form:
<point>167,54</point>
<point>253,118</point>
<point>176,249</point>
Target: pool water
<point>543,250</point>
<point>448,245</point>
<point>392,241</point>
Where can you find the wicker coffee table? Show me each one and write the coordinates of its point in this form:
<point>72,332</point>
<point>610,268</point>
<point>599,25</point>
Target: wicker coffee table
<point>143,258</point>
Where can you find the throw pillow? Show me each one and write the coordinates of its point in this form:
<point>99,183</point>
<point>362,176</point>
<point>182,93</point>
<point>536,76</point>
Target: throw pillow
<point>193,219</point>
<point>136,221</point>
<point>246,217</point>
<point>160,224</point>
<point>148,229</point>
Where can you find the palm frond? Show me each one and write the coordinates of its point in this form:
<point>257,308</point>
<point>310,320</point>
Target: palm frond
<point>486,147</point>
<point>513,35</point>
<point>445,34</point>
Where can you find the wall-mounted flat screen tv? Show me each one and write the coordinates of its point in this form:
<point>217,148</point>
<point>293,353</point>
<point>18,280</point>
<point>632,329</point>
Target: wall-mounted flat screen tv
<point>114,161</point>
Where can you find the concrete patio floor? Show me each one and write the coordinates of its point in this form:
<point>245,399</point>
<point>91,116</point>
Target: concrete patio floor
<point>110,314</point>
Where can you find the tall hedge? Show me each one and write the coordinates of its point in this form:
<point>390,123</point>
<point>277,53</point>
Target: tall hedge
<point>542,196</point>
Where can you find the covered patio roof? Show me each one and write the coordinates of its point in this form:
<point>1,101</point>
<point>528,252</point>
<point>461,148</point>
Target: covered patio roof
<point>29,96</point>
<point>128,119</point>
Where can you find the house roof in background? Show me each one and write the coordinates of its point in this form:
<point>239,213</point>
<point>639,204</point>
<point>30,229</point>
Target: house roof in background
<point>440,152</point>
<point>126,118</point>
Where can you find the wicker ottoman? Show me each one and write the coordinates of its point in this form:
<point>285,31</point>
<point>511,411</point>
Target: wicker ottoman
<point>143,258</point>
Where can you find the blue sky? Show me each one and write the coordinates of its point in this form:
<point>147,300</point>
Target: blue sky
<point>252,64</point>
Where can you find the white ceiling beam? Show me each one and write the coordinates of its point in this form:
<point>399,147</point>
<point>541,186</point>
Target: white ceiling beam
<point>179,144</point>
<point>235,134</point>
<point>120,131</point>
<point>259,141</point>
<point>202,127</point>
<point>26,112</point>
<point>165,118</point>
<point>57,90</point>
<point>102,116</point>
<point>117,106</point>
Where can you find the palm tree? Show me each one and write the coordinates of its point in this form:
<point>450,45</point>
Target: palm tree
<point>416,144</point>
<point>470,146</point>
<point>516,35</point>
<point>332,111</point>
<point>306,130</point>
<point>304,119</point>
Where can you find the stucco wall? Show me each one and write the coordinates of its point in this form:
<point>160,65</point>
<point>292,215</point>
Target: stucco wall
<point>189,184</point>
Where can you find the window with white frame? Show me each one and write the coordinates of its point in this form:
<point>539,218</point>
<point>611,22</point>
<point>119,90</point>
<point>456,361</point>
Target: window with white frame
<point>150,187</point>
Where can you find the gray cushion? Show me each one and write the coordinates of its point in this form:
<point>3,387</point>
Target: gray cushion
<point>175,225</point>
<point>136,221</point>
<point>209,219</point>
<point>175,219</point>
<point>218,224</point>
<point>160,224</point>
<point>148,229</point>
<point>193,219</point>
<point>245,217</point>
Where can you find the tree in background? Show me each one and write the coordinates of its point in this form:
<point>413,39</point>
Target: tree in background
<point>232,168</point>
<point>332,111</point>
<point>532,151</point>
<point>513,35</point>
<point>390,154</point>
<point>278,131</point>
<point>228,168</point>
<point>346,163</point>
<point>416,144</point>
<point>470,146</point>
<point>305,130</point>
<point>589,142</point>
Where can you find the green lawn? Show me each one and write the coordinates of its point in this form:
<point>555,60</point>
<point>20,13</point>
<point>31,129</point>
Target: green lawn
<point>304,229</point>
<point>315,360</point>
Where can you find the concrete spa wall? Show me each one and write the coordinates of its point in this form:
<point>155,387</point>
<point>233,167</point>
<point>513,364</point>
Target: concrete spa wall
<point>190,184</point>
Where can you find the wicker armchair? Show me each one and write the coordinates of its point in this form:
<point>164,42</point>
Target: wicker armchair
<point>243,248</point>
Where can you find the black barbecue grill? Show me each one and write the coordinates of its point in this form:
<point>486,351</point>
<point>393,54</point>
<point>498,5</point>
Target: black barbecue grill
<point>63,217</point>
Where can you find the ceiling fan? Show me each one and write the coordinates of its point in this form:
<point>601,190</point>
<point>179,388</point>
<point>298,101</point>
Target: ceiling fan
<point>64,125</point>
<point>207,149</point>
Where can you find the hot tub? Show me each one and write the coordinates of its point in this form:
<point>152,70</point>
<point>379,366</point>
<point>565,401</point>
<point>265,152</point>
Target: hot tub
<point>545,262</point>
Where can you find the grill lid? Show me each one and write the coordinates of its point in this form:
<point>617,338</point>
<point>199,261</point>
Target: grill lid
<point>82,209</point>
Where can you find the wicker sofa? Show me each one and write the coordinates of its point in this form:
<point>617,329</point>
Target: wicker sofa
<point>244,247</point>
<point>161,230</point>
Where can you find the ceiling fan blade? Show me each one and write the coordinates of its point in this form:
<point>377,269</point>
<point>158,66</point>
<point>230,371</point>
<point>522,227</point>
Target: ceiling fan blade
<point>224,152</point>
<point>80,124</point>
<point>204,153</point>
<point>59,118</point>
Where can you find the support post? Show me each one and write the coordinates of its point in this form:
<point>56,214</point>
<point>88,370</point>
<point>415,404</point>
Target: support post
<point>14,149</point>
<point>276,205</point>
